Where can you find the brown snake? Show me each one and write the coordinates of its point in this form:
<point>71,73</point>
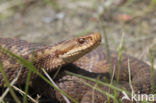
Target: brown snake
<point>49,57</point>
<point>93,64</point>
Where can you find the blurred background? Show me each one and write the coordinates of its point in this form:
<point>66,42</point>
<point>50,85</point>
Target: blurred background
<point>49,21</point>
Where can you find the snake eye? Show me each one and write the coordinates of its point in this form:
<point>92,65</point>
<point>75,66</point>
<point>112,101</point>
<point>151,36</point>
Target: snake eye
<point>81,40</point>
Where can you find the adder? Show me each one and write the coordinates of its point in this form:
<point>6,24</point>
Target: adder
<point>93,64</point>
<point>49,57</point>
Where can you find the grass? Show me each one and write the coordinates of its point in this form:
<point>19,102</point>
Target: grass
<point>119,51</point>
<point>152,70</point>
<point>8,85</point>
<point>11,84</point>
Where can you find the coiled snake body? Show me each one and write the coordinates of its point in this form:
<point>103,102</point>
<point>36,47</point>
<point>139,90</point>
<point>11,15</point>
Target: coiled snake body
<point>93,64</point>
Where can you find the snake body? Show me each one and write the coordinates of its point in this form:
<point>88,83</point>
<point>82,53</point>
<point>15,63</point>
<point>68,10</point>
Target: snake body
<point>95,65</point>
<point>49,57</point>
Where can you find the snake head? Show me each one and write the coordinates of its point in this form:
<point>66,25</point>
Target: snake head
<point>73,49</point>
<point>66,51</point>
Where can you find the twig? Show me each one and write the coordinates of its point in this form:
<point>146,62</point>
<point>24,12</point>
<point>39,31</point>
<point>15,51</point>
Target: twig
<point>113,75</point>
<point>129,72</point>
<point>22,92</point>
<point>93,93</point>
<point>65,98</point>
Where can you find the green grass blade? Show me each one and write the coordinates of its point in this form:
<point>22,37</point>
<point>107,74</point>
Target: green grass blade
<point>27,86</point>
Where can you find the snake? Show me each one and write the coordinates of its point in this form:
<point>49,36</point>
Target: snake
<point>50,57</point>
<point>75,55</point>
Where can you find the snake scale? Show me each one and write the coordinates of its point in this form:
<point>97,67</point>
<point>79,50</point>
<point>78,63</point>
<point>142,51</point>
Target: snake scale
<point>93,64</point>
